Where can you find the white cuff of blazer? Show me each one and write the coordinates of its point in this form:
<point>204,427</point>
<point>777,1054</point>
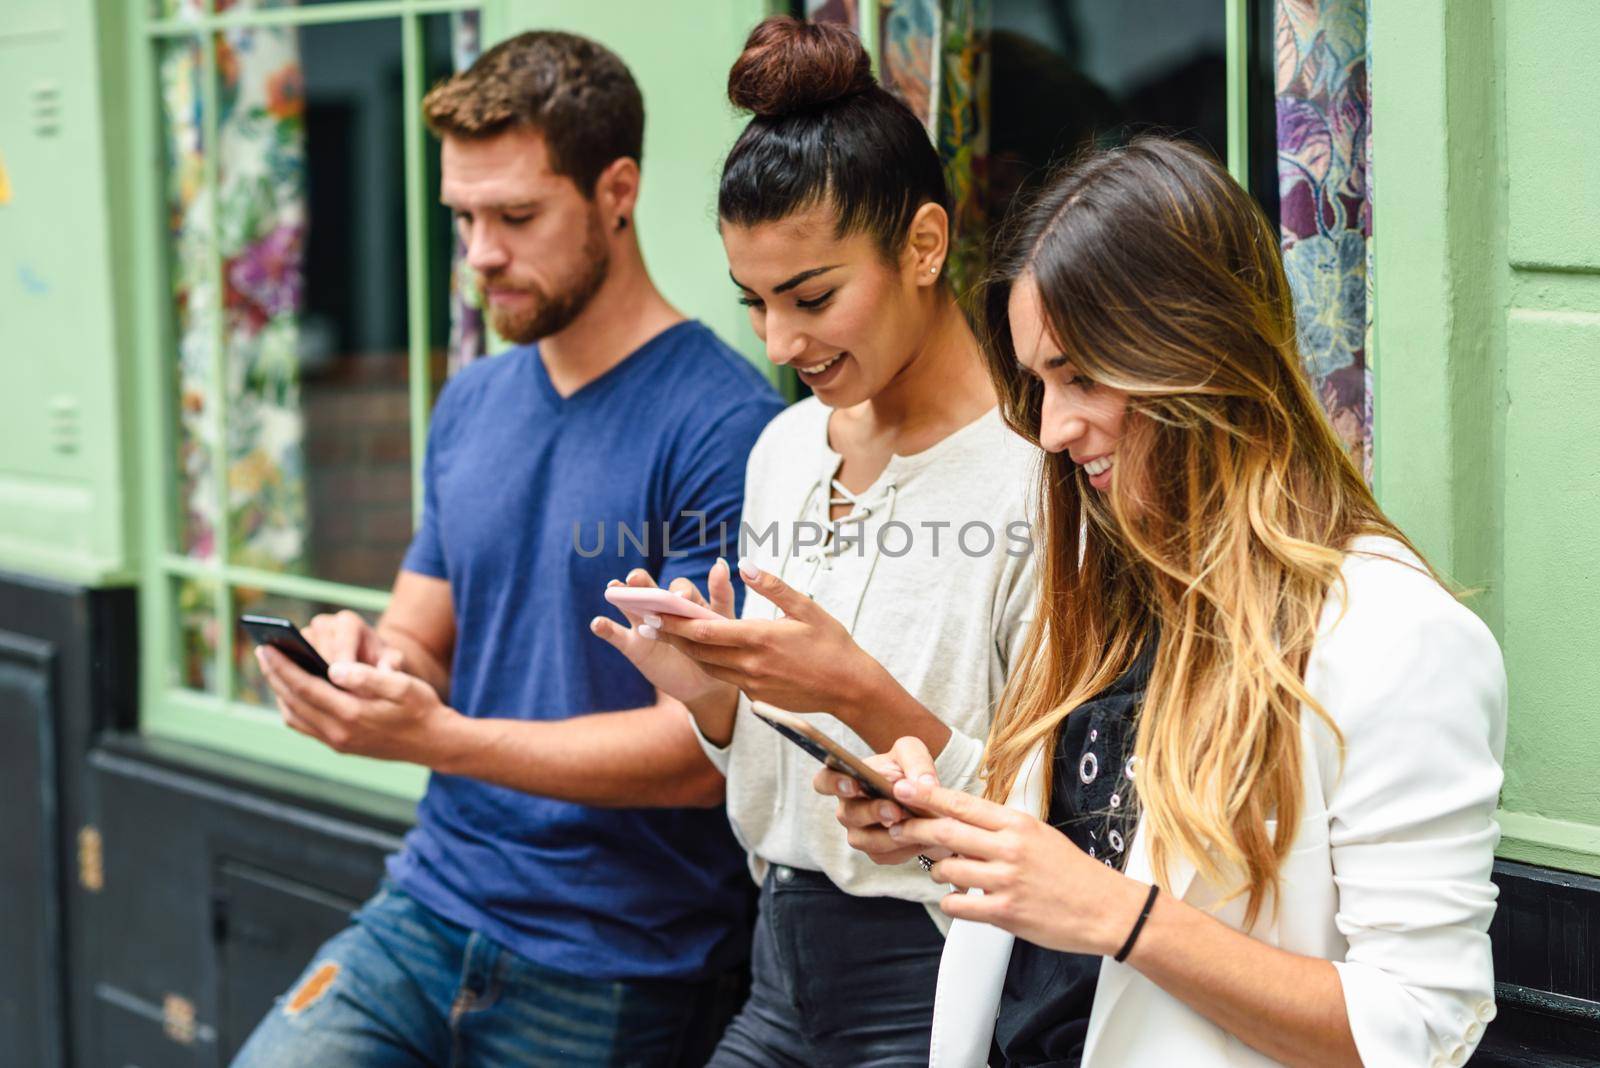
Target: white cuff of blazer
<point>972,970</point>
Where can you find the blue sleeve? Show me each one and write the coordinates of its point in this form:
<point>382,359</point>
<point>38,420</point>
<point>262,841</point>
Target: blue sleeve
<point>426,554</point>
<point>710,480</point>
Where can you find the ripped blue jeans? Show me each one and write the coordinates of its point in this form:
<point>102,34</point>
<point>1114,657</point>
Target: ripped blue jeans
<point>402,987</point>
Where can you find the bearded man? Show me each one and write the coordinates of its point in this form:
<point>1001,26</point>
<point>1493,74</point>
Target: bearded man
<point>571,893</point>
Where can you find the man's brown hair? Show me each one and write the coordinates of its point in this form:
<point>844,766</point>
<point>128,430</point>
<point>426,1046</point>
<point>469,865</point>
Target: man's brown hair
<point>574,92</point>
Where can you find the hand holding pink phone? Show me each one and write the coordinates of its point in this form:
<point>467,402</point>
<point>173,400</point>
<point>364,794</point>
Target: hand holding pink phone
<point>642,600</point>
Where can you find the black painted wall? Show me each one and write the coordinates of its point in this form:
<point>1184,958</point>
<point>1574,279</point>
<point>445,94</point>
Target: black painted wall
<point>213,881</point>
<point>64,680</point>
<point>217,894</point>
<point>32,985</point>
<point>1547,969</point>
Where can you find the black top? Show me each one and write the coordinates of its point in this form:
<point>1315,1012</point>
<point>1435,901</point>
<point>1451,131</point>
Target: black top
<point>1044,1008</point>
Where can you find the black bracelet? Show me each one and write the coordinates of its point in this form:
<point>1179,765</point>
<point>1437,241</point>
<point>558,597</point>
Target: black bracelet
<point>1133,935</point>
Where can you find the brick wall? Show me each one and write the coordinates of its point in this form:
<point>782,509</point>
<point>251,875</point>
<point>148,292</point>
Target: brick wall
<point>358,477</point>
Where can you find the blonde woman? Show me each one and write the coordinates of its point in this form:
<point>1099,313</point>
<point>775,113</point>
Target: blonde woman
<point>1252,749</point>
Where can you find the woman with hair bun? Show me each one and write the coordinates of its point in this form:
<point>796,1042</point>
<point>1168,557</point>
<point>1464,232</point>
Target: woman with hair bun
<point>886,551</point>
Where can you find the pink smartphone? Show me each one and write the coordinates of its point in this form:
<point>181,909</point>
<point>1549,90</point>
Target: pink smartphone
<point>642,599</point>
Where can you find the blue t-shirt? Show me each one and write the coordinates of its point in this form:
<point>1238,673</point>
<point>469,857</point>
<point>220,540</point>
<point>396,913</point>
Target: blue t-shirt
<point>520,487</point>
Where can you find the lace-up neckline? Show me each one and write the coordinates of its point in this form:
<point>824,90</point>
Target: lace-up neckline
<point>876,503</point>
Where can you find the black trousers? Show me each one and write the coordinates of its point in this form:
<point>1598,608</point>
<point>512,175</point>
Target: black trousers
<point>836,980</point>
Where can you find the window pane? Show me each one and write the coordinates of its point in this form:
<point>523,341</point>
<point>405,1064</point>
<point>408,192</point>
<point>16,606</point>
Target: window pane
<point>249,686</point>
<point>457,331</point>
<point>188,9</point>
<point>312,192</point>
<point>193,333</point>
<point>1262,99</point>
<point>264,5</point>
<point>844,11</point>
<point>177,9</point>
<point>311,223</point>
<point>194,616</point>
<point>1076,72</point>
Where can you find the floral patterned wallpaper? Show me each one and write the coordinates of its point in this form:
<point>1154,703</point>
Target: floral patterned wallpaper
<point>933,54</point>
<point>1324,172</point>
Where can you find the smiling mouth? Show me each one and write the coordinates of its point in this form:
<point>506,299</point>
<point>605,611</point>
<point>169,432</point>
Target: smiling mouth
<point>1098,466</point>
<point>817,369</point>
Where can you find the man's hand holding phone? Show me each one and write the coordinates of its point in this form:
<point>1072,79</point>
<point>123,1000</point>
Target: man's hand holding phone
<point>347,636</point>
<point>365,708</point>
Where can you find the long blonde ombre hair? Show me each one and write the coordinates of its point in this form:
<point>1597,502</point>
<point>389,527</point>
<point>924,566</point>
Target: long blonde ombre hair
<point>1228,512</point>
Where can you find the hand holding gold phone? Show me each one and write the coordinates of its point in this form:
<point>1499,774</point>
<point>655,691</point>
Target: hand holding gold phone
<point>834,756</point>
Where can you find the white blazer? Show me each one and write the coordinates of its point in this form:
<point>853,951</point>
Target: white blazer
<point>1389,874</point>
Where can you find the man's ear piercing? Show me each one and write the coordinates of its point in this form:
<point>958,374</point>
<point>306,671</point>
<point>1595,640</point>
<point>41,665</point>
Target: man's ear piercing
<point>622,223</point>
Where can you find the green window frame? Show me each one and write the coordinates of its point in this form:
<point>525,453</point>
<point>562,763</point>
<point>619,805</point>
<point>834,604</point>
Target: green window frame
<point>217,719</point>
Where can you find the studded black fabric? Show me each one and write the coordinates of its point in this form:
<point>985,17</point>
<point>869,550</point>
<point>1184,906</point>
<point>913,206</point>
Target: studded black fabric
<point>1044,1009</point>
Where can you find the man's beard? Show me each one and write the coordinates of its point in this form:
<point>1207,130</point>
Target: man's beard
<point>551,314</point>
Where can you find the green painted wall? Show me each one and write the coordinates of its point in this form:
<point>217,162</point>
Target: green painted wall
<point>65,478</point>
<point>1552,534</point>
<point>1487,368</point>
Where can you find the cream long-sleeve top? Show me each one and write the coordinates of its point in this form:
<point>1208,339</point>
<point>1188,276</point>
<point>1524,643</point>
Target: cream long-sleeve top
<point>931,569</point>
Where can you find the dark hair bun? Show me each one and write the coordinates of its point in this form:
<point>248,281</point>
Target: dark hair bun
<point>789,66</point>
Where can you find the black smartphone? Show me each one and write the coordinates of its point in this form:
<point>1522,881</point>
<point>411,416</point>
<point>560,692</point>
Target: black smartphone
<point>285,637</point>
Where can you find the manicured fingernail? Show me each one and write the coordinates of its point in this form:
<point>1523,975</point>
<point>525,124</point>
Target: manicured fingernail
<point>847,788</point>
<point>928,778</point>
<point>749,572</point>
<point>645,630</point>
<point>722,563</point>
<point>886,813</point>
<point>906,790</point>
<point>896,830</point>
<point>339,671</point>
<point>595,625</point>
<point>653,622</point>
<point>261,657</point>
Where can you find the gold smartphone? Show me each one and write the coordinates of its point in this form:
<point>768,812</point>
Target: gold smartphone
<point>836,757</point>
